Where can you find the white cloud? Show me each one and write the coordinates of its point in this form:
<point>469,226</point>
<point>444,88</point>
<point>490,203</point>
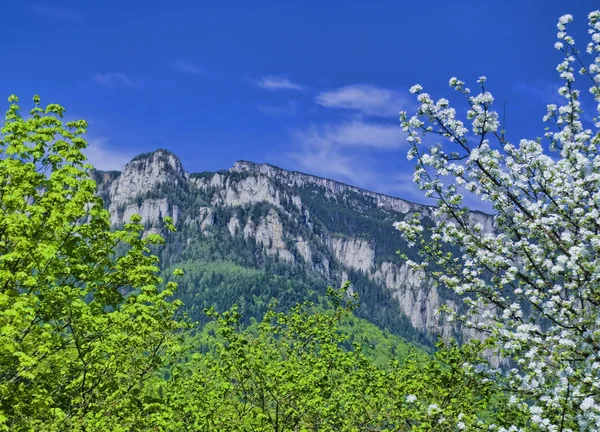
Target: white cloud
<point>187,67</point>
<point>365,98</point>
<point>113,79</point>
<point>278,82</point>
<point>105,158</point>
<point>331,163</point>
<point>56,12</point>
<point>354,133</point>
<point>347,151</point>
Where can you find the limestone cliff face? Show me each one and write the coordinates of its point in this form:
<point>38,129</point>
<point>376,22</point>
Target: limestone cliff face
<point>233,226</point>
<point>152,211</point>
<point>205,218</point>
<point>249,190</point>
<point>144,173</point>
<point>270,233</point>
<point>354,253</point>
<point>332,188</point>
<point>418,300</point>
<point>292,221</point>
<point>304,249</point>
<point>130,192</point>
<point>339,191</point>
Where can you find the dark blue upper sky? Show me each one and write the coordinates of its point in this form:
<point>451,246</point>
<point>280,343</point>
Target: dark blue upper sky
<point>308,85</point>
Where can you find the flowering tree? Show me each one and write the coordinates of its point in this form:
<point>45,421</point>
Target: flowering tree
<point>534,283</point>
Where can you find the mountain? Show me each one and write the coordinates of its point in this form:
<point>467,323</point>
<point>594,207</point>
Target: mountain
<point>256,232</point>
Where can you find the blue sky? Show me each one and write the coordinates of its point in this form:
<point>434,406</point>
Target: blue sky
<point>305,85</point>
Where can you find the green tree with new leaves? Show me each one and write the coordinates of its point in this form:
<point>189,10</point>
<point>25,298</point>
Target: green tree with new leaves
<point>81,328</point>
<point>292,374</point>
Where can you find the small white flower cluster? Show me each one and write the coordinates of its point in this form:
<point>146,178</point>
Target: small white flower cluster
<point>534,282</point>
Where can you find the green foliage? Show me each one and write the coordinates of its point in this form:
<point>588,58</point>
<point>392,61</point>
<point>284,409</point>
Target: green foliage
<point>293,374</point>
<point>379,346</point>
<point>220,284</point>
<point>82,328</point>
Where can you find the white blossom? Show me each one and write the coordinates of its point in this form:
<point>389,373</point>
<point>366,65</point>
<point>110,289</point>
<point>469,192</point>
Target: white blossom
<point>587,403</point>
<point>433,409</point>
<point>416,88</point>
<point>411,398</point>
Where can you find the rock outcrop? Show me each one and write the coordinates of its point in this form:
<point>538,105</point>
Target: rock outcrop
<point>354,253</point>
<point>270,233</point>
<point>136,189</point>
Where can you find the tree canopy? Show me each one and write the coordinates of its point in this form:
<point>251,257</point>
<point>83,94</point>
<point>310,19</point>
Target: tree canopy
<point>82,327</point>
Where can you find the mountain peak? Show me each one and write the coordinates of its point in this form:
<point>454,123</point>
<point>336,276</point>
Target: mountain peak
<point>155,163</point>
<point>144,174</point>
<point>158,153</point>
<point>244,165</point>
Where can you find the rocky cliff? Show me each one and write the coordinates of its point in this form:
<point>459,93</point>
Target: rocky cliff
<point>301,224</point>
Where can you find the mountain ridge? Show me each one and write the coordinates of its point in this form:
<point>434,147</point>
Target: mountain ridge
<point>264,168</point>
<point>256,232</point>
